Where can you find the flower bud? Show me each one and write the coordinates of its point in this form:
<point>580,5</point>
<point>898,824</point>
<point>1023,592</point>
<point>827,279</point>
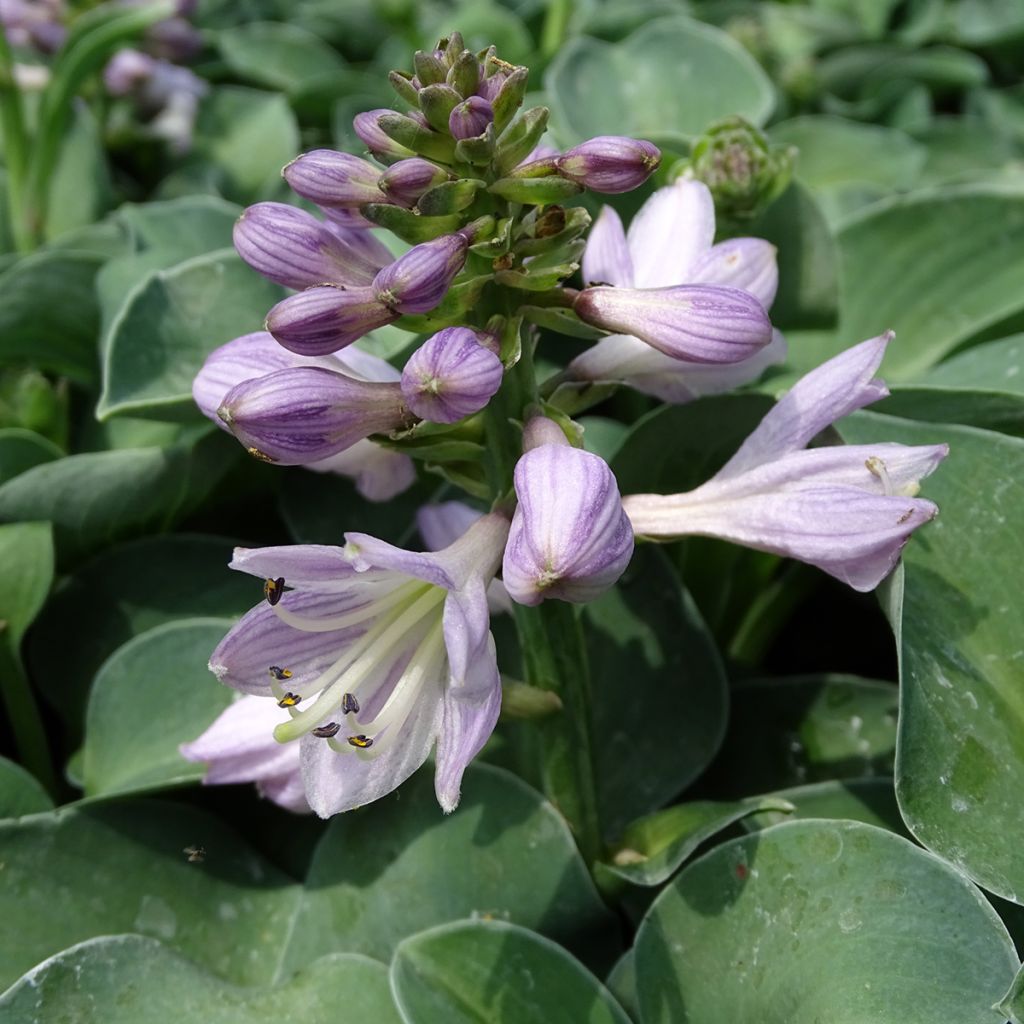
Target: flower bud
<point>418,280</point>
<point>329,178</point>
<point>570,538</point>
<point>470,118</point>
<point>376,141</point>
<point>293,248</point>
<point>305,414</point>
<point>610,163</point>
<point>451,375</point>
<point>126,71</point>
<point>322,320</point>
<point>405,181</point>
<point>699,323</point>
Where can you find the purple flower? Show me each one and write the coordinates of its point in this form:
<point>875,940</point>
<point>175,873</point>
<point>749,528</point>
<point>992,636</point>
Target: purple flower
<point>570,538</point>
<point>610,163</point>
<point>670,243</point>
<point>332,179</point>
<point>451,375</point>
<point>379,473</point>
<point>307,414</point>
<point>848,509</point>
<point>293,248</point>
<point>470,118</point>
<point>378,653</point>
<point>701,323</point>
<point>322,320</point>
<point>240,747</point>
<point>419,279</point>
<point>407,180</point>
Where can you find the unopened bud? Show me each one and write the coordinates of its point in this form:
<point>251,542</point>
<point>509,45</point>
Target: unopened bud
<point>699,323</point>
<point>418,280</point>
<point>374,138</point>
<point>322,320</point>
<point>405,181</point>
<point>610,163</point>
<point>332,179</point>
<point>453,374</point>
<point>470,118</point>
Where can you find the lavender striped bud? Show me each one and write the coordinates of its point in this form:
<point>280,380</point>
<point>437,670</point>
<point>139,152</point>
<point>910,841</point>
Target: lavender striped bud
<point>380,145</point>
<point>293,248</point>
<point>470,118</point>
<point>451,375</point>
<point>610,163</point>
<point>418,280</point>
<point>699,323</point>
<point>328,179</point>
<point>570,538</point>
<point>322,320</point>
<point>305,414</point>
<point>405,181</point>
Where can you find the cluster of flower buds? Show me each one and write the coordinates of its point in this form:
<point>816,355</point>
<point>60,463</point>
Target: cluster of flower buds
<point>370,656</point>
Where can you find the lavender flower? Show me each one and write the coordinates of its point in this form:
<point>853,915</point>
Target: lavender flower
<point>470,118</point>
<point>670,243</point>
<point>570,538</point>
<point>332,179</point>
<point>610,163</point>
<point>451,375</point>
<point>380,145</point>
<point>293,248</point>
<point>848,510</point>
<point>35,23</point>
<point>379,473</point>
<point>378,653</point>
<point>240,747</point>
<point>407,180</point>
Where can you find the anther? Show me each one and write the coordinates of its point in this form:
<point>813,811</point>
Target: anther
<point>360,741</point>
<point>262,456</point>
<point>279,673</point>
<point>326,731</point>
<point>349,704</point>
<point>876,467</point>
<point>289,700</point>
<point>273,589</point>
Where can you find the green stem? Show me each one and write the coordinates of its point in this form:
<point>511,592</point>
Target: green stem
<point>555,658</point>
<point>101,32</point>
<point>23,714</point>
<point>15,139</point>
<point>769,612</point>
<point>556,26</point>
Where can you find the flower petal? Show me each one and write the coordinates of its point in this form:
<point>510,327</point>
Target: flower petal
<point>379,473</point>
<point>607,260</point>
<point>750,264</point>
<point>833,390</point>
<point>672,230</point>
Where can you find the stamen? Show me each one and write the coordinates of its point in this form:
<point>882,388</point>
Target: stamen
<point>289,700</point>
<point>278,673</point>
<point>262,456</point>
<point>349,704</point>
<point>876,467</point>
<point>273,589</point>
<point>326,731</point>
<point>362,742</point>
<point>366,611</point>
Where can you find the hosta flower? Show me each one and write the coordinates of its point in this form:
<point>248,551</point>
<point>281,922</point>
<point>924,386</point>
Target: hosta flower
<point>848,509</point>
<point>610,163</point>
<point>378,653</point>
<point>240,747</point>
<point>669,244</point>
<point>379,473</point>
<point>332,179</point>
<point>570,538</point>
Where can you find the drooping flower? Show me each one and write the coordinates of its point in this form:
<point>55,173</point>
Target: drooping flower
<point>670,243</point>
<point>451,375</point>
<point>847,509</point>
<point>379,653</point>
<point>570,538</point>
<point>379,473</point>
<point>240,747</point>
